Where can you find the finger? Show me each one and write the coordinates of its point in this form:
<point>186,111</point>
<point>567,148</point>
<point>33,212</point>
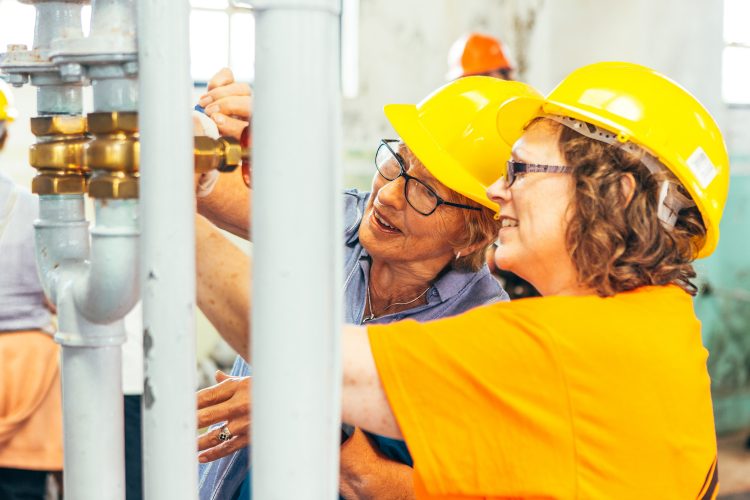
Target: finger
<point>216,394</point>
<point>223,77</point>
<point>231,90</point>
<point>239,106</point>
<point>219,413</point>
<point>237,428</point>
<point>220,376</point>
<point>228,126</point>
<point>224,449</point>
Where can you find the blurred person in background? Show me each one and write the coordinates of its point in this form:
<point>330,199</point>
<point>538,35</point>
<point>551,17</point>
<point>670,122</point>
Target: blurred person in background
<point>30,393</point>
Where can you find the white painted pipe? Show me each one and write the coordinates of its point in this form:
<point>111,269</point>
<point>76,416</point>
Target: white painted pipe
<point>168,251</point>
<point>297,206</point>
<point>110,286</point>
<point>92,398</point>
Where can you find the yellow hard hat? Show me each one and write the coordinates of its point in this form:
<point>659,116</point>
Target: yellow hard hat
<point>7,111</point>
<point>454,134</point>
<point>648,109</point>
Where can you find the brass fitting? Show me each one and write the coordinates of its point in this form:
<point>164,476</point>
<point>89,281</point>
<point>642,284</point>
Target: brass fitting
<point>223,154</point>
<point>59,157</point>
<point>58,125</point>
<point>115,143</point>
<point>113,185</point>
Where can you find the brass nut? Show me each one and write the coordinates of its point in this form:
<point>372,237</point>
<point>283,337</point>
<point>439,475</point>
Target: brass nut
<point>207,154</point>
<point>112,122</point>
<point>113,185</point>
<point>61,155</point>
<point>58,182</point>
<point>232,153</point>
<point>58,125</point>
<point>114,152</point>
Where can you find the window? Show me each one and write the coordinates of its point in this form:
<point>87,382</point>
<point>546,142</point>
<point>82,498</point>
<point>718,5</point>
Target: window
<point>736,57</point>
<point>222,33</point>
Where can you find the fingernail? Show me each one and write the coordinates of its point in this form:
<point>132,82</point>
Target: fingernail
<point>202,460</point>
<point>212,109</point>
<point>219,119</point>
<point>205,100</point>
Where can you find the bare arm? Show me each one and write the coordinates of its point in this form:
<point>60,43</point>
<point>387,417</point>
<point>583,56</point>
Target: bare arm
<point>222,272</point>
<point>228,205</point>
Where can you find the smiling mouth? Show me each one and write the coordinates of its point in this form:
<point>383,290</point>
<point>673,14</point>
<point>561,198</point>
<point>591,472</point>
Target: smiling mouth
<point>382,223</point>
<point>506,222</point>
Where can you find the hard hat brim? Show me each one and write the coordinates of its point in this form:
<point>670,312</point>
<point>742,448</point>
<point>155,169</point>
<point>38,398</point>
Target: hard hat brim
<point>405,120</point>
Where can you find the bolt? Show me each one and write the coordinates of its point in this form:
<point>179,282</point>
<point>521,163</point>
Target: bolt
<point>130,68</point>
<point>17,79</point>
<point>71,72</point>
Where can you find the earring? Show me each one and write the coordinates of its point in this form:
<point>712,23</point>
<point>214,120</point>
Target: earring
<point>458,255</point>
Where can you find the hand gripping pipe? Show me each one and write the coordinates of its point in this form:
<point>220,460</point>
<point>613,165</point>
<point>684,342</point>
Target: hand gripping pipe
<point>295,347</point>
<point>92,284</point>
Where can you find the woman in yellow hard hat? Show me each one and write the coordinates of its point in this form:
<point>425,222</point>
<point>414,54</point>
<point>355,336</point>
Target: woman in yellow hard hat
<point>414,248</point>
<point>599,388</point>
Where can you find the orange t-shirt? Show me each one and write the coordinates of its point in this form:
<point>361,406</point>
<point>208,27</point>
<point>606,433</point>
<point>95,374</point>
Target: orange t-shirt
<point>555,397</point>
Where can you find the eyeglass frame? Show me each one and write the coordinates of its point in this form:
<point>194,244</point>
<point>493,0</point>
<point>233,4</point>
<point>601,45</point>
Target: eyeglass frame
<point>518,167</point>
<point>402,173</point>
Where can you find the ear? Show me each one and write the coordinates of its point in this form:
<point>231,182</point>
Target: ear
<point>627,187</point>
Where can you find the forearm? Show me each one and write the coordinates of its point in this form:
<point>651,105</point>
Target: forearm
<point>228,206</point>
<point>222,273</point>
<point>368,474</point>
<point>364,403</point>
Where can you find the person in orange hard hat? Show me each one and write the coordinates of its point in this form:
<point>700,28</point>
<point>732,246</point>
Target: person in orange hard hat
<point>31,444</point>
<point>599,388</point>
<point>478,54</point>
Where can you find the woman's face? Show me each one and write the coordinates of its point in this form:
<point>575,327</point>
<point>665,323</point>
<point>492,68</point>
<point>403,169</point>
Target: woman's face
<point>534,213</point>
<point>393,231</point>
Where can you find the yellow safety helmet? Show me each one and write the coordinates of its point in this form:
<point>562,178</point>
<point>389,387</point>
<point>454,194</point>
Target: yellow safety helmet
<point>454,134</point>
<point>7,111</point>
<point>648,109</point>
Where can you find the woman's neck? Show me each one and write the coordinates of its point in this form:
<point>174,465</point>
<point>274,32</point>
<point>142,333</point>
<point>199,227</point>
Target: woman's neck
<point>394,288</point>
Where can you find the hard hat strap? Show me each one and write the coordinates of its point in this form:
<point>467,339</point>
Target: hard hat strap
<point>671,200</point>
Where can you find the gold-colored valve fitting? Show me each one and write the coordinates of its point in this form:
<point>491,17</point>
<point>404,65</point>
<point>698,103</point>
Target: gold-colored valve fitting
<point>113,122</point>
<point>58,125</point>
<point>115,144</point>
<point>58,182</point>
<point>223,154</point>
<point>113,185</point>
<point>58,155</point>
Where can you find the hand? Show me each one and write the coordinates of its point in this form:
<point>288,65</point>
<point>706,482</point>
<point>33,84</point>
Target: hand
<point>228,401</point>
<point>366,473</point>
<point>228,103</point>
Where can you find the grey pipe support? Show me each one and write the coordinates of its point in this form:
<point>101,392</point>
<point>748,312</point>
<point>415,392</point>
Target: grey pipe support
<point>167,250</point>
<point>296,357</point>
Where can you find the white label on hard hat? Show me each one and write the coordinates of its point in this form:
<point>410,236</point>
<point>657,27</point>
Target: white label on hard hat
<point>701,166</point>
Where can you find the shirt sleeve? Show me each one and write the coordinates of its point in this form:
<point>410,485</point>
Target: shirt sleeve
<point>481,401</point>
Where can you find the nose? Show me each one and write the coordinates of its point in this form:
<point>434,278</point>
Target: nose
<point>392,193</point>
<point>499,192</point>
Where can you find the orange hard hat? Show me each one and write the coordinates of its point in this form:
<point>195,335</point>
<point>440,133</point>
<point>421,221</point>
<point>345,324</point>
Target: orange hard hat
<point>475,54</point>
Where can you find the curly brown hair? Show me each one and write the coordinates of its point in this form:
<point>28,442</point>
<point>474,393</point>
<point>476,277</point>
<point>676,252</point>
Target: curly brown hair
<point>618,244</point>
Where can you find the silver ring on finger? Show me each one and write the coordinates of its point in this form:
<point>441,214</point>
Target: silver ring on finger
<point>225,434</point>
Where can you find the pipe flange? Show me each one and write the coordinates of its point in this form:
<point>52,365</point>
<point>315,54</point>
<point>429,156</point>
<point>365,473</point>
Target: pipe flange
<point>58,155</point>
<point>58,125</point>
<point>232,154</point>
<point>58,182</point>
<point>113,122</point>
<point>223,154</point>
<point>117,152</point>
<point>113,185</point>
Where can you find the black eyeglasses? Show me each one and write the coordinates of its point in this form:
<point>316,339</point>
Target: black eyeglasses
<point>420,196</point>
<point>517,167</point>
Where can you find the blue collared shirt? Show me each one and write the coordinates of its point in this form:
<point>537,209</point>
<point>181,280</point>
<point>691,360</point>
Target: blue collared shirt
<point>452,293</point>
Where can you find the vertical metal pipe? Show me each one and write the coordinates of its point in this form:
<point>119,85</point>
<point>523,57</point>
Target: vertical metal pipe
<point>297,204</point>
<point>167,250</point>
